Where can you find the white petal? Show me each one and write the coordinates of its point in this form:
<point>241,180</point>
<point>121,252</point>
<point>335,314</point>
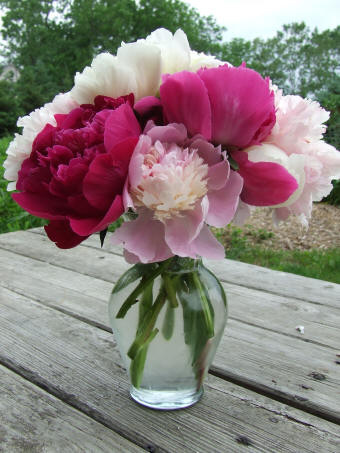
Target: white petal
<point>144,61</point>
<point>20,148</point>
<point>106,76</point>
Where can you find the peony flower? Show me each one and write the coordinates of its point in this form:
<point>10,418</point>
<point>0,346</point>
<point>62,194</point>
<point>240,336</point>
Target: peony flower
<point>176,186</point>
<point>136,69</point>
<point>200,60</point>
<point>270,176</point>
<point>230,106</point>
<point>20,148</point>
<point>298,134</point>
<point>298,121</point>
<point>76,171</point>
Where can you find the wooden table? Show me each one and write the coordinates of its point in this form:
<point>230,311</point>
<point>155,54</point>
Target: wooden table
<point>63,387</point>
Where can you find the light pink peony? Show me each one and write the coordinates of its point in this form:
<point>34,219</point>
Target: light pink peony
<point>176,186</point>
<point>298,133</point>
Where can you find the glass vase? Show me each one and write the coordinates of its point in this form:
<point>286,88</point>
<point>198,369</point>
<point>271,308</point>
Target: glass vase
<point>168,319</point>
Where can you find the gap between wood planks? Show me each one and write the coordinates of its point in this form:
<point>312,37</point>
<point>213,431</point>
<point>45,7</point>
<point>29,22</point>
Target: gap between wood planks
<point>242,381</point>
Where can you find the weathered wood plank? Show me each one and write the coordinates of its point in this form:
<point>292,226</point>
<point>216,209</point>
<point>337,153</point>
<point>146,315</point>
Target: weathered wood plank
<point>267,310</point>
<point>78,363</point>
<point>248,275</point>
<point>273,362</point>
<point>32,420</point>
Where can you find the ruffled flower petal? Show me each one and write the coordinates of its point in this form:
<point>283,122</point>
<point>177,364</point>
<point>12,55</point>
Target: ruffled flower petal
<point>265,183</point>
<point>223,202</point>
<point>144,238</point>
<point>181,231</point>
<point>207,245</point>
<point>60,232</point>
<point>242,105</point>
<point>21,147</point>
<point>185,100</point>
<point>120,125</point>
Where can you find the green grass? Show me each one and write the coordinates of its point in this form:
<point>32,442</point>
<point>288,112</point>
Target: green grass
<point>12,217</point>
<point>323,265</point>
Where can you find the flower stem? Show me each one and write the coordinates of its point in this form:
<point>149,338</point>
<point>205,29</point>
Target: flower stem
<point>146,280</point>
<point>147,325</point>
<point>206,305</point>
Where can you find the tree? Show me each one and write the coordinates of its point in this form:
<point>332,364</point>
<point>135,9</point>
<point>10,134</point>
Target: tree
<point>298,60</point>
<point>50,40</point>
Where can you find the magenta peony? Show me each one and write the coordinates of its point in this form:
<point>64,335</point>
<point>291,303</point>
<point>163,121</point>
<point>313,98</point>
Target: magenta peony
<point>230,106</point>
<point>76,172</point>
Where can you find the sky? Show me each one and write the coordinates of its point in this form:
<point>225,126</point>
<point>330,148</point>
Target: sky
<point>249,19</point>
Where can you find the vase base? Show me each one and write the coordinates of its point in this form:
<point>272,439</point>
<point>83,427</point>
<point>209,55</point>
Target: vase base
<point>166,400</point>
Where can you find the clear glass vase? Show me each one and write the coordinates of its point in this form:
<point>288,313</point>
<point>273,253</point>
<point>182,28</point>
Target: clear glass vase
<point>168,319</point>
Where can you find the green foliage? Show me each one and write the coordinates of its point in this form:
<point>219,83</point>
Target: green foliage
<point>9,108</point>
<point>50,40</point>
<point>323,265</point>
<point>298,60</point>
<point>334,196</point>
<point>12,217</point>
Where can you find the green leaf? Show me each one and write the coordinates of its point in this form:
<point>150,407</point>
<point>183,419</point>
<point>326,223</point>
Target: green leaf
<point>169,322</point>
<point>147,325</point>
<point>133,274</point>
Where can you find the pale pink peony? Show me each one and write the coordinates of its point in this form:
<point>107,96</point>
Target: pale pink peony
<point>298,121</point>
<point>298,133</point>
<point>176,186</point>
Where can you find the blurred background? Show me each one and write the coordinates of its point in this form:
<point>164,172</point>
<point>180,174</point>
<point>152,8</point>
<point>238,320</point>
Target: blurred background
<point>43,43</point>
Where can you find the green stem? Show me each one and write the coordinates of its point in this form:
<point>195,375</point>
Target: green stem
<point>169,322</point>
<point>206,306</point>
<point>146,280</point>
<point>146,328</point>
<point>170,285</point>
<point>137,364</point>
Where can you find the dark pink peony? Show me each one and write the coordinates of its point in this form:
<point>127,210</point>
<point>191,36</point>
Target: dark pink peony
<point>76,172</point>
<point>230,106</point>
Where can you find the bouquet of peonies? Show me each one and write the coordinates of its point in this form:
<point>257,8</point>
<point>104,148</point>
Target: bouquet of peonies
<point>178,141</point>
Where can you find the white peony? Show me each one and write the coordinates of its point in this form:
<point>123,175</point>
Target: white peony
<point>138,67</point>
<point>20,148</point>
<point>201,60</point>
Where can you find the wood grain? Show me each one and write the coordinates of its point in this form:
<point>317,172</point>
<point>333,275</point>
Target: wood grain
<point>263,357</point>
<point>32,420</point>
<point>78,364</point>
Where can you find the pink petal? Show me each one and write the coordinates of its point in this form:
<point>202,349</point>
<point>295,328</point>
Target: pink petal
<point>137,159</point>
<point>181,231</point>
<point>242,213</point>
<point>144,105</point>
<point>120,125</point>
<point>185,100</point>
<point>207,246</point>
<point>223,203</point>
<point>85,227</point>
<point>206,151</point>
<point>218,174</point>
<point>242,105</point>
<point>149,108</point>
<point>265,183</point>
<point>144,238</point>
<point>172,133</point>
